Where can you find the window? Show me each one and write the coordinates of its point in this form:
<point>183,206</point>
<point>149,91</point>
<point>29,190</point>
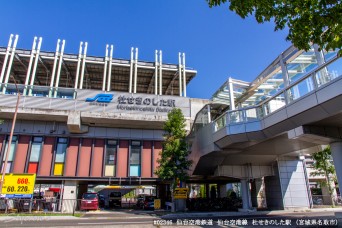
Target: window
<point>11,153</point>
<point>135,158</point>
<point>110,159</point>
<point>36,148</point>
<point>60,156</point>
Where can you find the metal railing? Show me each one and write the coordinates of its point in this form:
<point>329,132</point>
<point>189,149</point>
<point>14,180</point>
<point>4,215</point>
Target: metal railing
<point>302,87</point>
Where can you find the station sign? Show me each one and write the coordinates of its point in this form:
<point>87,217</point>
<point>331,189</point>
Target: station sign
<point>18,184</point>
<point>180,193</point>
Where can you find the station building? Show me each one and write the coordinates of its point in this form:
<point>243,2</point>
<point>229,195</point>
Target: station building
<point>89,121</point>
<point>86,121</point>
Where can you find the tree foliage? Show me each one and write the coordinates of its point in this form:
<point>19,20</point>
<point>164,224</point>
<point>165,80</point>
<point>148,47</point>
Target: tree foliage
<point>173,162</point>
<point>316,21</point>
<point>324,167</point>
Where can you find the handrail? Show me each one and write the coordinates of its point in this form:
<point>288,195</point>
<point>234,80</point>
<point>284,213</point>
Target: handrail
<point>282,91</point>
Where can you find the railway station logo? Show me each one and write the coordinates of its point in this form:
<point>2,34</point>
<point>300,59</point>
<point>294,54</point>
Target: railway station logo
<point>101,98</point>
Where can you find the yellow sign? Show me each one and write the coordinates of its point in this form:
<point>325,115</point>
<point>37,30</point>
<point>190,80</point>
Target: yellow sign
<point>180,193</point>
<point>18,183</point>
<point>157,204</point>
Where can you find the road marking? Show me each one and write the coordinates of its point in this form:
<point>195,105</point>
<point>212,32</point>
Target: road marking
<point>112,223</point>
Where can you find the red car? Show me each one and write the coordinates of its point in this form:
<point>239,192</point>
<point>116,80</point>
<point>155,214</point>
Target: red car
<point>90,201</point>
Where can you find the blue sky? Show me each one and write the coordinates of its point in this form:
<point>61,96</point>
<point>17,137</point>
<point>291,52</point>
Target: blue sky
<point>217,42</point>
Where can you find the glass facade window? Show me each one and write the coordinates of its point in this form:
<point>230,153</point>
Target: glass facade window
<point>135,159</point>
<point>301,65</point>
<point>269,88</point>
<point>11,153</point>
<point>61,148</point>
<point>110,159</point>
<point>36,148</point>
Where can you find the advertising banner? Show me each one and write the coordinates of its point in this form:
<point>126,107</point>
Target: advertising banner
<point>18,184</point>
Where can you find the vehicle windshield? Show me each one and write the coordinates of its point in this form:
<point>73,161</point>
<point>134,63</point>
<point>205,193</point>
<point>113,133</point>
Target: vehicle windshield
<point>88,196</point>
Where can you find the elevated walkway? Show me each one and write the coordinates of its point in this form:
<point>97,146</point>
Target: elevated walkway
<point>293,122</point>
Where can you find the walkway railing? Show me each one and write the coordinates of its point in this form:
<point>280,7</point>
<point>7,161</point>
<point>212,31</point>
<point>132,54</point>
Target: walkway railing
<point>310,82</point>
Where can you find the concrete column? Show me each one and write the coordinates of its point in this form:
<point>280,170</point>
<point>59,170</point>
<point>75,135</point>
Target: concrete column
<point>245,195</point>
<point>69,196</point>
<point>336,152</point>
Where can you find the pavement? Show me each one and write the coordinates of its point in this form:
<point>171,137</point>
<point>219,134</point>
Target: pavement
<point>162,214</point>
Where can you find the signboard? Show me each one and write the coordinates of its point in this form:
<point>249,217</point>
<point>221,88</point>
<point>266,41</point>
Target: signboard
<point>157,204</point>
<point>181,193</point>
<point>10,196</point>
<point>18,184</point>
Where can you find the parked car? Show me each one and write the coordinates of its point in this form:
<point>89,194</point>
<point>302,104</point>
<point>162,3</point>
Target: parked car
<point>90,201</point>
<point>115,199</point>
<point>145,201</point>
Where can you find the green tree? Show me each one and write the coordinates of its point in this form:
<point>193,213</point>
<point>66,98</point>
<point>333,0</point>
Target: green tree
<point>324,167</point>
<point>316,21</point>
<point>173,162</point>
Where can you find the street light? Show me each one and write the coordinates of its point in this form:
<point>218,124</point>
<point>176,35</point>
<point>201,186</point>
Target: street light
<point>11,136</point>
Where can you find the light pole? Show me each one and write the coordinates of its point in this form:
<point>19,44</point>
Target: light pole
<point>11,136</point>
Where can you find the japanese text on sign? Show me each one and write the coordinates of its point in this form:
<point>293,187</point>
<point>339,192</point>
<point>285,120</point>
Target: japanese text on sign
<point>18,184</point>
<point>180,193</point>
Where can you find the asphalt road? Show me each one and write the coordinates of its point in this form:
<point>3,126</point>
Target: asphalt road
<point>322,219</point>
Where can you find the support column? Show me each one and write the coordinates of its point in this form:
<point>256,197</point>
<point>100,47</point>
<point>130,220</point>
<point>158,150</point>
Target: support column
<point>180,74</point>
<point>231,94</point>
<point>105,70</point>
<point>83,64</point>
<point>78,65</point>
<point>35,65</point>
<point>28,73</point>
<point>184,77</point>
<point>109,84</point>
<point>59,68</point>
<point>131,72</point>
<point>160,72</point>
<point>69,202</point>
<point>135,71</point>
<point>54,69</point>
<point>245,195</point>
<point>336,152</point>
<point>10,63</point>
<point>156,73</point>
<point>6,58</point>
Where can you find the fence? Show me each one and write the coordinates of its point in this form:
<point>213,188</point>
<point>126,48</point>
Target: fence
<point>59,206</point>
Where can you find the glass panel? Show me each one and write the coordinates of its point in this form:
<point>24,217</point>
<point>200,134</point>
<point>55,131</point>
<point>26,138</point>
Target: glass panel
<point>301,65</point>
<point>301,89</point>
<point>61,150</point>
<point>253,114</point>
<point>270,87</point>
<point>110,170</point>
<point>135,157</point>
<point>35,152</point>
<point>58,170</point>
<point>330,72</point>
<point>220,122</point>
<point>13,149</point>
<point>235,117</point>
<point>110,154</point>
<point>134,170</point>
<point>275,104</point>
<point>330,54</point>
